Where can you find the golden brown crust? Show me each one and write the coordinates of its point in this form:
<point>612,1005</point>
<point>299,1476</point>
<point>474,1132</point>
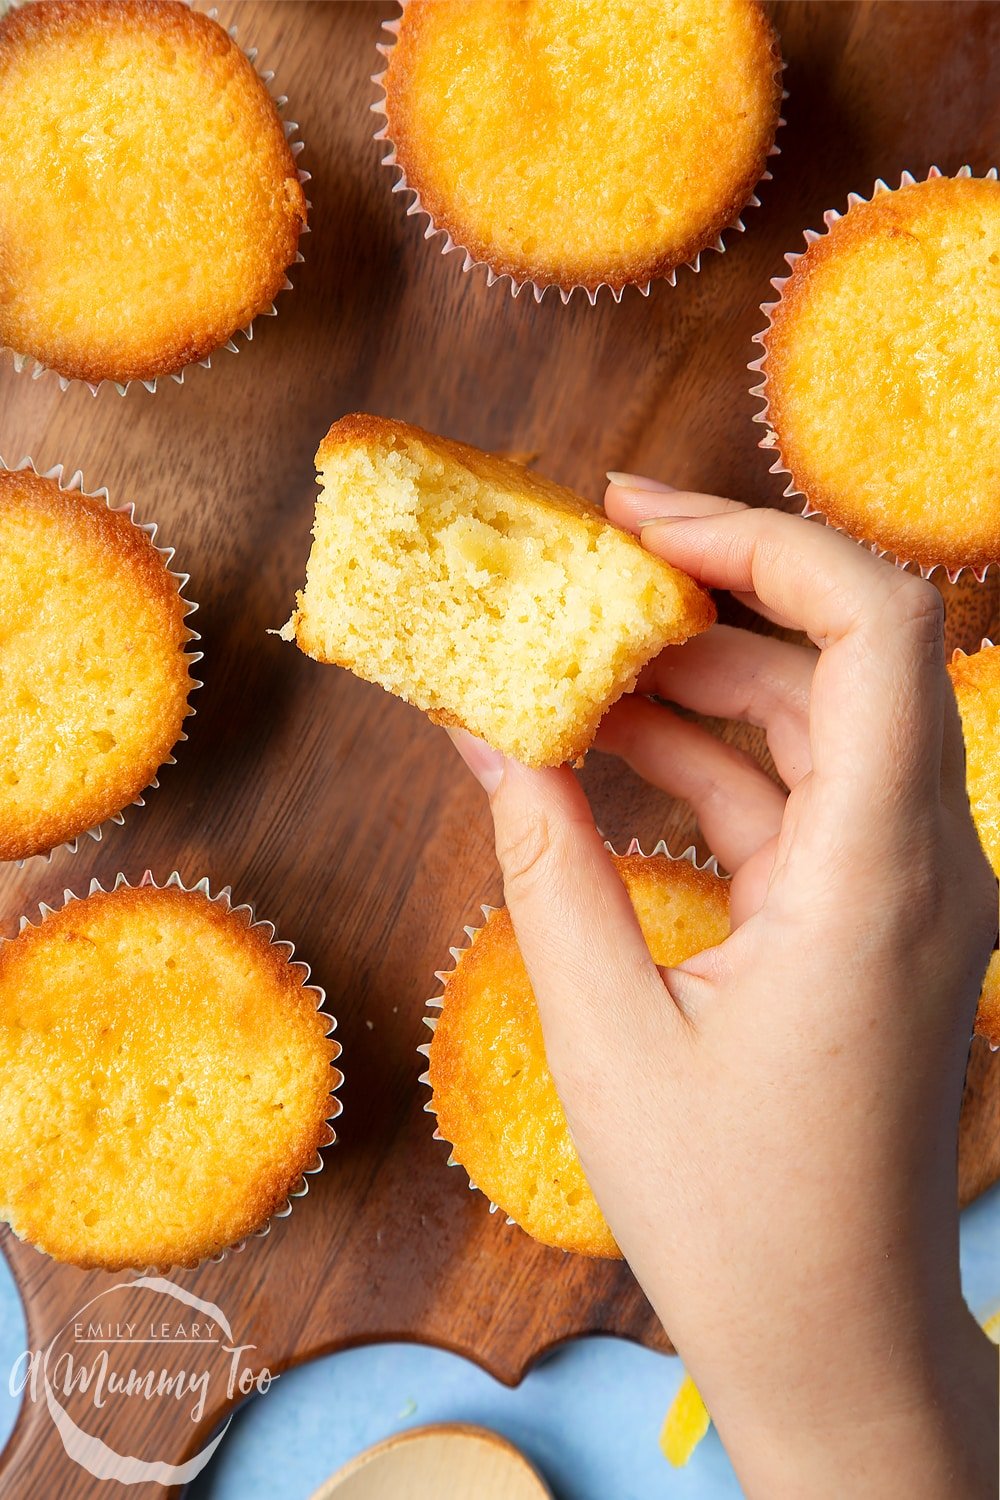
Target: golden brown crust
<point>692,608</point>
<point>976,670</point>
<point>988,1014</point>
<point>100,538</point>
<point>52,23</point>
<point>362,429</point>
<point>410,152</point>
<point>886,215</point>
<point>452,1076</point>
<point>279,1000</point>
<point>488,1005</point>
<point>976,682</point>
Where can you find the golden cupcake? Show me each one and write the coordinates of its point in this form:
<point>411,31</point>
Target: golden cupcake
<point>484,594</point>
<point>882,372</point>
<point>167,1078</point>
<point>582,142</point>
<point>988,1015</point>
<point>976,680</point>
<point>94,673</point>
<point>149,200</point>
<point>493,1095</point>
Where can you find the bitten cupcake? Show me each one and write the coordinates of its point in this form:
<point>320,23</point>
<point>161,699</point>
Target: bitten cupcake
<point>484,594</point>
<point>976,680</point>
<point>167,1078</point>
<point>493,1095</point>
<point>579,144</point>
<point>149,200</point>
<point>881,373</point>
<point>94,668</point>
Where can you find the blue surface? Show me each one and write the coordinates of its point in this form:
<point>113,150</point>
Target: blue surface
<point>589,1416</point>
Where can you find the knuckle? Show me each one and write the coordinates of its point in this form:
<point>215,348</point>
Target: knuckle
<point>914,604</point>
<point>526,853</point>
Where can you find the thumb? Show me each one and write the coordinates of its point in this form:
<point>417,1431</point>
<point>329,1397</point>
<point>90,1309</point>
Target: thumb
<point>593,976</point>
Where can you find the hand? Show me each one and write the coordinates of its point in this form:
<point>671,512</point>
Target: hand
<point>770,1129</point>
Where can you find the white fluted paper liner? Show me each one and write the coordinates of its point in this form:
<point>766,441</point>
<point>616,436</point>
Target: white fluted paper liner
<point>689,855</point>
<point>757,366</point>
<point>469,262</point>
<point>985,645</point>
<point>224,899</point>
<point>36,368</point>
<point>68,486</point>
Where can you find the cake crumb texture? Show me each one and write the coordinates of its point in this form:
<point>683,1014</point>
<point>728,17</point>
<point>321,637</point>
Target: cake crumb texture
<point>483,593</point>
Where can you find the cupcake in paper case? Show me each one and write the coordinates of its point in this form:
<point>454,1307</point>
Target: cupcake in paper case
<point>976,680</point>
<point>94,661</point>
<point>988,1014</point>
<point>492,1092</point>
<point>167,1076</point>
<point>150,205</point>
<point>579,145</point>
<point>881,379</point>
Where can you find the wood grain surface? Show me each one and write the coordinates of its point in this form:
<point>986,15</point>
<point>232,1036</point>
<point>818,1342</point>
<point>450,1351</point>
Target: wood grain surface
<point>340,813</point>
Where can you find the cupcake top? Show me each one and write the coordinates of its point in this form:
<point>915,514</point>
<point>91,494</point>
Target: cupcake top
<point>583,141</point>
<point>93,669</point>
<point>883,376</point>
<point>493,1093</point>
<point>166,1078</point>
<point>149,202</point>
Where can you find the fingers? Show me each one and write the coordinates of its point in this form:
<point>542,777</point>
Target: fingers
<point>635,504</point>
<point>883,640</point>
<point>738,807</point>
<point>881,631</point>
<point>821,581</point>
<point>736,674</point>
<point>642,502</point>
<point>590,968</point>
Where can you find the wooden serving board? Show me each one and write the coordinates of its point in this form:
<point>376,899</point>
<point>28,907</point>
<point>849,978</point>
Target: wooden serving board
<point>343,815</point>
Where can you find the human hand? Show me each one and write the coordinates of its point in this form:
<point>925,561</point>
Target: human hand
<point>770,1129</point>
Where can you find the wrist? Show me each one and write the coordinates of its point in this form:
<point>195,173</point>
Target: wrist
<point>919,1423</point>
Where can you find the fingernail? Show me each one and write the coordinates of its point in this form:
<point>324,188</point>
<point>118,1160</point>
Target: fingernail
<point>485,763</point>
<point>662,520</point>
<point>637,482</point>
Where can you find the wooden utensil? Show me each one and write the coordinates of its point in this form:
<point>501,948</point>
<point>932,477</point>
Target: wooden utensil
<point>454,1460</point>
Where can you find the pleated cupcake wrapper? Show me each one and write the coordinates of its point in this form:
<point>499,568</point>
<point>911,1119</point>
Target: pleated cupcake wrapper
<point>27,362</point>
<point>985,645</point>
<point>770,439</point>
<point>224,899</point>
<point>149,529</point>
<point>689,855</point>
<point>538,289</point>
